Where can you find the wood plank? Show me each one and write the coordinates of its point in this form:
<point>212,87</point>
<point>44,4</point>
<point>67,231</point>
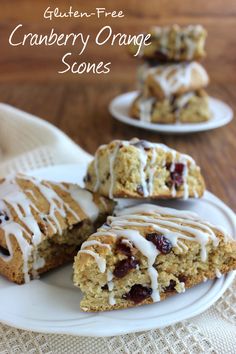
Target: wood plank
<point>81,112</point>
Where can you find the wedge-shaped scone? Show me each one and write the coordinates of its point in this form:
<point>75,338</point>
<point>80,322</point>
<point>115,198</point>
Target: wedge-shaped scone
<point>146,253</point>
<point>191,107</point>
<point>42,224</point>
<point>174,79</point>
<point>138,169</point>
<point>174,43</point>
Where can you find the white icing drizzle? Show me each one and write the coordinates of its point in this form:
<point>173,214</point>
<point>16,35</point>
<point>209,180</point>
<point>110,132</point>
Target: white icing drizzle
<point>85,200</point>
<point>151,172</point>
<point>110,285</point>
<point>99,260</point>
<point>146,172</point>
<point>189,35</point>
<point>180,287</point>
<point>171,78</point>
<point>175,225</point>
<point>94,243</point>
<point>162,226</point>
<point>218,273</point>
<point>145,107</point>
<point>27,233</point>
<point>112,158</point>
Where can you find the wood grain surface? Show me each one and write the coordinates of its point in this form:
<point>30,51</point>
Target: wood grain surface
<point>81,112</point>
<point>42,63</point>
<point>78,104</point>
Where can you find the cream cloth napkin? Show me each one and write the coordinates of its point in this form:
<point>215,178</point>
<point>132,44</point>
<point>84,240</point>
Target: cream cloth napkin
<point>27,143</point>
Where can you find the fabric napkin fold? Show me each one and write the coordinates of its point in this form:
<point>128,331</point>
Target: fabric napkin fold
<point>27,143</point>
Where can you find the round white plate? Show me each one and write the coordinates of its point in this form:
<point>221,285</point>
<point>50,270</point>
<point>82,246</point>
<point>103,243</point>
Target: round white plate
<point>51,304</point>
<point>222,114</point>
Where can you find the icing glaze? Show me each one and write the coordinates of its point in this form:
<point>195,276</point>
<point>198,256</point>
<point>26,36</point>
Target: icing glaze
<point>172,78</point>
<point>188,35</point>
<point>146,168</point>
<point>145,107</point>
<point>175,225</point>
<point>16,202</point>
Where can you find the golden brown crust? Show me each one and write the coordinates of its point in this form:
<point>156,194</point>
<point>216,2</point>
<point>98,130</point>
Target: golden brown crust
<point>195,280</point>
<point>61,224</point>
<point>182,266</point>
<point>194,109</point>
<point>178,79</point>
<point>123,177</point>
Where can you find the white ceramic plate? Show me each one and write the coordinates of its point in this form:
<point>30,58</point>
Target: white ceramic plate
<point>51,304</point>
<point>222,114</point>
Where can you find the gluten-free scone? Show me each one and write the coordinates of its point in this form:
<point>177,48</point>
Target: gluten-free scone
<point>191,107</point>
<point>174,43</point>
<point>140,169</point>
<point>174,79</point>
<point>146,253</point>
<point>42,224</point>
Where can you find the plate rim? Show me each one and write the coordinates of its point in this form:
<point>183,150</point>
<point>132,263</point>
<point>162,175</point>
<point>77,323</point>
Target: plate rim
<point>97,328</point>
<point>169,128</point>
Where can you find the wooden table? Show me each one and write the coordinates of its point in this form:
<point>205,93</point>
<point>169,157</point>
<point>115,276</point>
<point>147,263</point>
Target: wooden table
<point>80,110</point>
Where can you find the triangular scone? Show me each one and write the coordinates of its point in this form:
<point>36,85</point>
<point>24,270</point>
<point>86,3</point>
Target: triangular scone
<point>146,253</point>
<point>140,169</point>
<point>42,224</point>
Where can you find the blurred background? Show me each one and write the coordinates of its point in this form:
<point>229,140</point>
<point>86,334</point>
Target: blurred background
<point>78,104</point>
<point>28,64</point>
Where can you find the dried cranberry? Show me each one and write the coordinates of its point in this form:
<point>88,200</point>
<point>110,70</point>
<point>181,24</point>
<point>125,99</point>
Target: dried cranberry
<point>160,56</point>
<point>138,293</point>
<point>140,190</point>
<point>105,287</point>
<point>4,251</point>
<point>87,178</point>
<point>160,241</point>
<point>179,168</point>
<point>176,176</point>
<point>123,248</point>
<point>176,179</point>
<point>182,278</point>
<point>123,267</point>
<point>171,286</point>
<point>3,217</point>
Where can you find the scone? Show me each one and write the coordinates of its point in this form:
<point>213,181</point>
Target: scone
<point>146,253</point>
<point>42,224</point>
<point>191,107</point>
<point>138,168</point>
<point>174,43</point>
<point>174,79</point>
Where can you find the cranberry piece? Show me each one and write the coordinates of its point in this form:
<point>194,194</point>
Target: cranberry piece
<point>4,251</point>
<point>87,178</point>
<point>123,267</point>
<point>123,248</point>
<point>138,293</point>
<point>160,56</point>
<point>105,287</point>
<point>176,176</point>
<point>140,190</point>
<point>160,241</point>
<point>171,286</point>
<point>182,278</point>
<point>176,179</point>
<point>3,217</point>
<point>179,168</point>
